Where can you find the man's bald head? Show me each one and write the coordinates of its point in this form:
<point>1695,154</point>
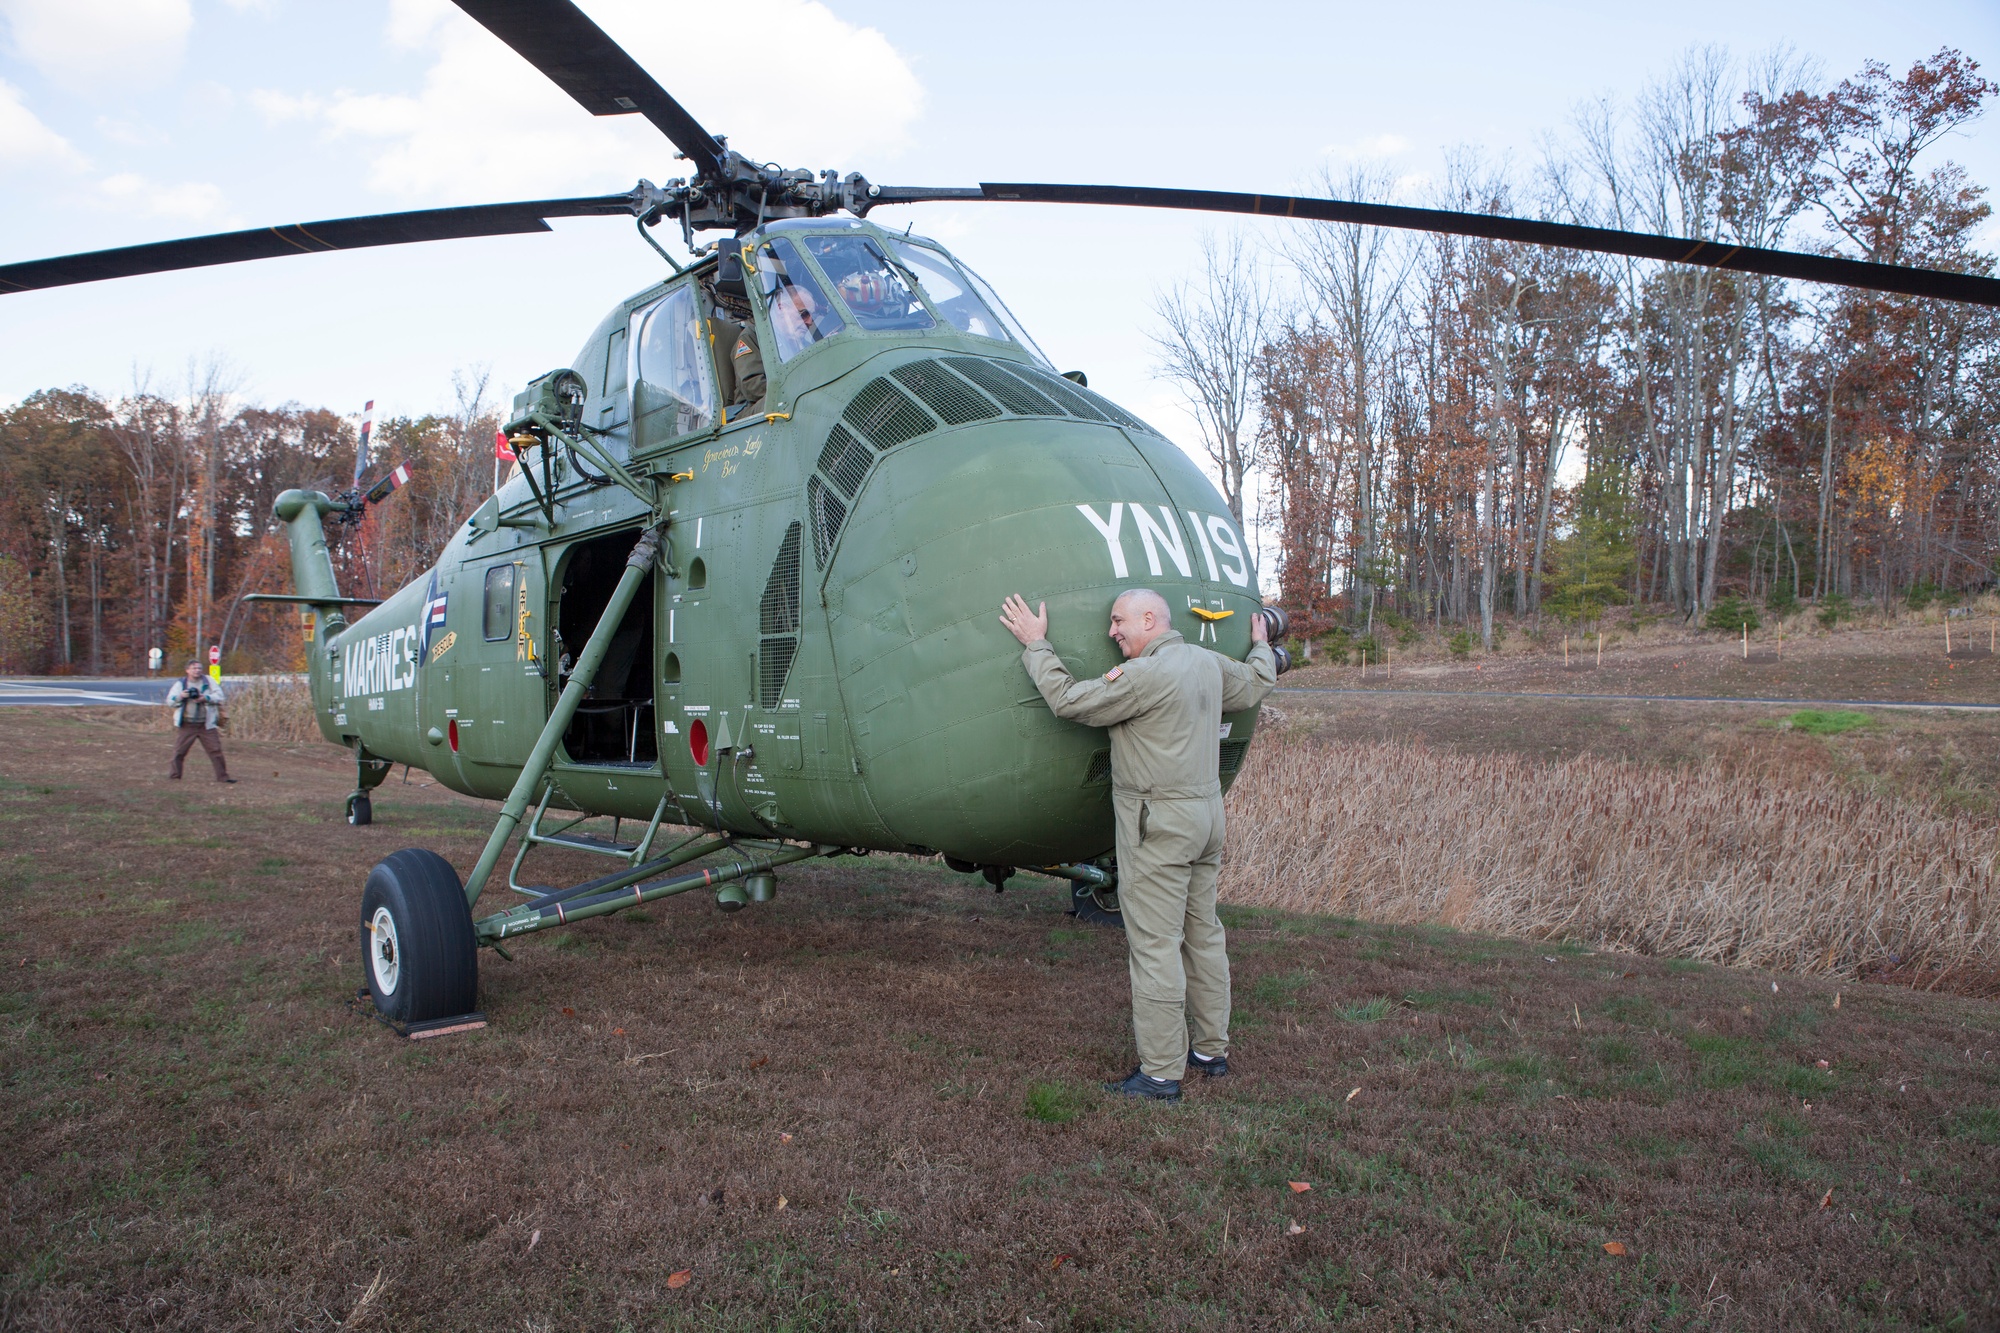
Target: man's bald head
<point>1138,617</point>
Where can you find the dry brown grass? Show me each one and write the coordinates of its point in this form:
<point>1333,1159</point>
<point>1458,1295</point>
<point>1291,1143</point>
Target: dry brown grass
<point>272,708</point>
<point>201,1136</point>
<point>1786,871</point>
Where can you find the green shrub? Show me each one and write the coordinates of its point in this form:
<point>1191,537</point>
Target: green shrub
<point>1334,647</point>
<point>1781,600</point>
<point>1732,614</point>
<point>1922,593</point>
<point>1366,644</point>
<point>1460,644</point>
<point>1833,609</point>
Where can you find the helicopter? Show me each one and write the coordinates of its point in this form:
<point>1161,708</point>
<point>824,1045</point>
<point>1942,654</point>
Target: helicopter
<point>740,603</point>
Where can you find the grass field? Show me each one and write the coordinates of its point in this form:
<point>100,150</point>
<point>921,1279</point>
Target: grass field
<point>871,1104</point>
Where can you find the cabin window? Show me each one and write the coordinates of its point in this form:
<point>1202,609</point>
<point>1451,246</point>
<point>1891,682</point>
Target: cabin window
<point>498,620</point>
<point>799,311</point>
<point>674,363</point>
<point>873,290</point>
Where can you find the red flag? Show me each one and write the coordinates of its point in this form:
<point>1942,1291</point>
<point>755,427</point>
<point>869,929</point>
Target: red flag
<point>501,450</point>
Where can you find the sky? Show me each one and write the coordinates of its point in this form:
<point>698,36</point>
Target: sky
<point>126,121</point>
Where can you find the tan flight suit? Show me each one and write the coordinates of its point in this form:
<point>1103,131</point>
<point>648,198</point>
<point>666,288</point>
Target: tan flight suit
<point>1164,709</point>
<point>748,362</point>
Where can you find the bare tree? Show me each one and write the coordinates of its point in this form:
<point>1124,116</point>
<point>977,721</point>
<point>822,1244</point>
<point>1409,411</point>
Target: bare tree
<point>1212,331</point>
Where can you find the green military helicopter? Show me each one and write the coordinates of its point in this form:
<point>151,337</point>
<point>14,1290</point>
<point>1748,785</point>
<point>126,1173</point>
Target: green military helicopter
<point>739,594</point>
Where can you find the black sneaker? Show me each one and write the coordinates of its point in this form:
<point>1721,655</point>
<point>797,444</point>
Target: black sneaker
<point>1139,1083</point>
<point>1208,1066</point>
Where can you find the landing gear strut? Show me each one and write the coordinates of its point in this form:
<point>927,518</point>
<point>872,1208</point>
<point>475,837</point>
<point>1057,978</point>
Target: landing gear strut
<point>368,774</point>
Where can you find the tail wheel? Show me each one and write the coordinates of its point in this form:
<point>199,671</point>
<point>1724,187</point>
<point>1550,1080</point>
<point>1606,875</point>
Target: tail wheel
<point>360,810</point>
<point>421,959</point>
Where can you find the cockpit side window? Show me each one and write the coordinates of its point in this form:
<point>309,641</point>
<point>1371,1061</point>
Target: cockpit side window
<point>875,292</point>
<point>999,307</point>
<point>799,312</point>
<point>950,292</point>
<point>674,363</point>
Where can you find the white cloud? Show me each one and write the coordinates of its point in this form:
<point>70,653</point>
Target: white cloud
<point>130,133</point>
<point>24,138</point>
<point>276,106</point>
<point>82,41</point>
<point>488,125</point>
<point>193,200</point>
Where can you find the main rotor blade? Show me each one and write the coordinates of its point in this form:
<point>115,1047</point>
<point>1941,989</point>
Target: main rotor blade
<point>560,40</point>
<point>1967,287</point>
<point>305,238</point>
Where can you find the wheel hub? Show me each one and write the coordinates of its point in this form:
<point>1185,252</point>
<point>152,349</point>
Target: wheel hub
<point>382,954</point>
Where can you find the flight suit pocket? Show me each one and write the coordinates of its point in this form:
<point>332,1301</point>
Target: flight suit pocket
<point>1144,810</point>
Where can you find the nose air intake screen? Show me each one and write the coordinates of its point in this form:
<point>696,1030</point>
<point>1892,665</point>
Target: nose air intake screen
<point>1063,391</point>
<point>844,461</point>
<point>1014,395</point>
<point>945,393</point>
<point>778,621</point>
<point>828,513</point>
<point>886,416</point>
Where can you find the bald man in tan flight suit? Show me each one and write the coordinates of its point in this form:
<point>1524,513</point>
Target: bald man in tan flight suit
<point>1164,709</point>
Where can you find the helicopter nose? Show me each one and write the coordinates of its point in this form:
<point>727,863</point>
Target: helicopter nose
<point>956,745</point>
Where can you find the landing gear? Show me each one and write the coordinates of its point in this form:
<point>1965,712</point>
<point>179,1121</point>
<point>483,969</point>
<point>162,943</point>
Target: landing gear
<point>416,937</point>
<point>368,774</point>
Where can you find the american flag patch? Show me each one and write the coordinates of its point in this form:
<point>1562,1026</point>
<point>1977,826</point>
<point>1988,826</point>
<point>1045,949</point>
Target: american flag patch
<point>1114,673</point>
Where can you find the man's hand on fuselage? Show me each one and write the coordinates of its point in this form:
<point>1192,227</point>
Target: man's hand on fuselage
<point>1025,625</point>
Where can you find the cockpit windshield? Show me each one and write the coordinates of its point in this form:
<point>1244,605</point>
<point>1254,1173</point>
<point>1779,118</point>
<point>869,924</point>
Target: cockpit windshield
<point>799,312</point>
<point>961,297</point>
<point>867,282</point>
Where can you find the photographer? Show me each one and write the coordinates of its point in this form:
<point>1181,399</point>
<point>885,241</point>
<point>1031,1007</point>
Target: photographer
<point>197,706</point>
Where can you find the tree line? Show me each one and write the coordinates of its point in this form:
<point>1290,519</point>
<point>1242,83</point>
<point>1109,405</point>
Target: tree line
<point>140,522</point>
<point>1456,428</point>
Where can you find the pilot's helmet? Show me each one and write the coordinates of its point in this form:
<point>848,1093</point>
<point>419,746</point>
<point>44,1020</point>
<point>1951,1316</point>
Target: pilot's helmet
<point>869,292</point>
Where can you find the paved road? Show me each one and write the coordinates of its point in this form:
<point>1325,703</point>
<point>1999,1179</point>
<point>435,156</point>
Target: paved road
<point>1648,698</point>
<point>73,691</point>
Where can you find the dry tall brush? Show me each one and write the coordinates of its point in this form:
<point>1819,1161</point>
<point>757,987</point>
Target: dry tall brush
<point>1798,874</point>
<point>261,708</point>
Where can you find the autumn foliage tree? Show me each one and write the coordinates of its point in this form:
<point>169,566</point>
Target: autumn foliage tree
<point>1462,428</point>
<point>141,522</point>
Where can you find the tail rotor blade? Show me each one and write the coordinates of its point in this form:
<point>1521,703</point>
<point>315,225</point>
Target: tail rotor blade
<point>392,481</point>
<point>361,450</point>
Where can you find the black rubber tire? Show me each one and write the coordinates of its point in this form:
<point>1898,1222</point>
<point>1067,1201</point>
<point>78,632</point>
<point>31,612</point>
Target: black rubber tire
<point>360,810</point>
<point>433,970</point>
